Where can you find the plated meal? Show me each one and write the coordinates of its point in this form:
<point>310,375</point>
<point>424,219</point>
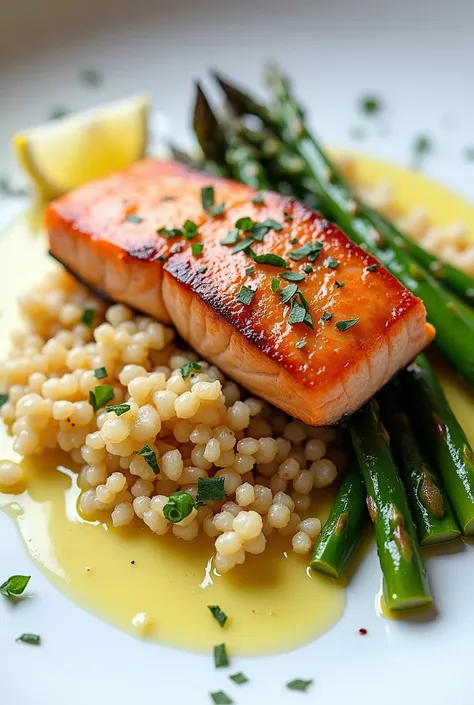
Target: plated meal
<point>238,361</point>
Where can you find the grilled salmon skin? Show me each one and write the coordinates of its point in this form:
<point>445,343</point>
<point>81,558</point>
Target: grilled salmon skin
<point>268,290</point>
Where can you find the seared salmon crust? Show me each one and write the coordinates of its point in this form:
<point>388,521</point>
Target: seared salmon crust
<point>365,324</point>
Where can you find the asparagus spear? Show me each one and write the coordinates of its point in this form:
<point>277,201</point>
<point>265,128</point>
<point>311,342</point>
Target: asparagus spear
<point>343,528</point>
<point>443,437</point>
<point>453,278</point>
<point>208,130</point>
<point>405,582</point>
<point>429,504</point>
<point>223,148</point>
<point>453,320</point>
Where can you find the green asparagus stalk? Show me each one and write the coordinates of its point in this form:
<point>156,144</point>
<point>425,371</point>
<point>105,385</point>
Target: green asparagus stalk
<point>405,582</point>
<point>271,150</point>
<point>343,528</point>
<point>207,129</point>
<point>430,507</point>
<point>222,146</point>
<point>442,437</point>
<point>453,278</point>
<point>454,322</point>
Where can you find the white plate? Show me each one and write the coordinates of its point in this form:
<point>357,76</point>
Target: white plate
<point>417,56</point>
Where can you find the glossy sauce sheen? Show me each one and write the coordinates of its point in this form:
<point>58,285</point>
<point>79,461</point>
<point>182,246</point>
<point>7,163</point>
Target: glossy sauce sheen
<point>335,371</point>
<point>259,596</point>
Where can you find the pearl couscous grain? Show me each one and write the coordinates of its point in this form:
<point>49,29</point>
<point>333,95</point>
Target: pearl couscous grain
<point>195,426</point>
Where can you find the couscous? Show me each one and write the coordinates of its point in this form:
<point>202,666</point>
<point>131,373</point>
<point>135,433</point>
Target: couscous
<point>168,421</point>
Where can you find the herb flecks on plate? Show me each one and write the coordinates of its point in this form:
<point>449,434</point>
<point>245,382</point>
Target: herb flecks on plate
<point>33,639</point>
<point>15,585</point>
<point>371,105</point>
<point>221,659</point>
<point>299,684</point>
<point>221,698</point>
<point>218,614</point>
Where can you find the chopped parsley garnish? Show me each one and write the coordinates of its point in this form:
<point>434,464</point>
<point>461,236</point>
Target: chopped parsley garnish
<point>287,293</point>
<point>180,505</point>
<point>3,399</point>
<point>331,262</point>
<point>231,237</point>
<point>241,245</point>
<point>221,698</point>
<point>239,678</point>
<point>207,197</point>
<point>259,231</point>
<point>307,269</point>
<point>15,585</point>
<point>196,248</point>
<point>220,654</point>
<point>269,258</point>
<point>287,217</point>
<point>210,489</point>
<point>422,145</point>
<point>371,105</point>
<point>246,224</point>
<point>100,373</point>
<point>294,241</point>
<point>174,232</point>
<point>88,316</point>
<point>118,409</point>
<point>297,313</point>
<point>259,198</point>
<point>299,684</point>
<point>134,218</point>
<point>250,271</point>
<point>245,295</point>
<point>327,315</point>
<point>340,285</point>
<point>33,639</point>
<point>372,268</point>
<point>91,77</point>
<point>218,614</point>
<point>189,368</point>
<point>218,209</point>
<point>293,276</point>
<point>300,344</point>
<point>149,456</point>
<point>311,250</point>
<point>275,285</point>
<point>345,325</point>
<point>100,396</point>
<point>201,269</point>
<point>272,224</point>
<point>190,230</point>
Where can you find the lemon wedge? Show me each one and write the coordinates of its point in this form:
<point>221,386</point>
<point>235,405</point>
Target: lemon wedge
<point>65,153</point>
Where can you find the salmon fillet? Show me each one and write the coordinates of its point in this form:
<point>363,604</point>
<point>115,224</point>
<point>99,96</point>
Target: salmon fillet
<point>318,348</point>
